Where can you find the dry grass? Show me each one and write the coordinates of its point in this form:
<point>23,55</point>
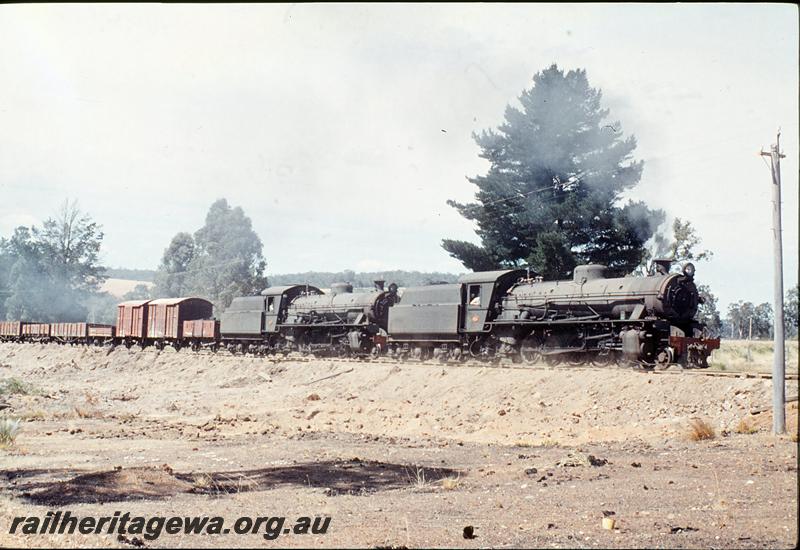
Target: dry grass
<point>86,412</point>
<point>746,426</point>
<point>222,484</point>
<point>33,416</point>
<point>451,483</point>
<point>9,429</point>
<point>700,430</point>
<point>733,355</point>
<point>417,478</point>
<point>202,482</point>
<point>12,386</point>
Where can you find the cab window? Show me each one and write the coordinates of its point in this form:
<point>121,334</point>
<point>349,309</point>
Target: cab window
<point>270,304</point>
<point>474,295</point>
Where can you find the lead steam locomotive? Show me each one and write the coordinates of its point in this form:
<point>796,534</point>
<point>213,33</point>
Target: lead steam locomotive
<point>645,320</point>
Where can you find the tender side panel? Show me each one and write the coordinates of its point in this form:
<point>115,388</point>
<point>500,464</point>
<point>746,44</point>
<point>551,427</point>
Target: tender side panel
<point>426,313</point>
<point>429,322</point>
<point>244,317</point>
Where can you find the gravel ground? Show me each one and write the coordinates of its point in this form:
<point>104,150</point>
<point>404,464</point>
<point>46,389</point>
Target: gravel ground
<point>395,454</point>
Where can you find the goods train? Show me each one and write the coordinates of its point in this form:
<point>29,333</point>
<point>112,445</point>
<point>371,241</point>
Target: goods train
<point>492,315</point>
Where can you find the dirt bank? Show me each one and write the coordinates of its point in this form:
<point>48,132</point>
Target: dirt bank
<point>395,454</point>
<point>185,392</point>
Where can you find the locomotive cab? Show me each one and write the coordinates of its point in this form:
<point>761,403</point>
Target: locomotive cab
<point>481,293</point>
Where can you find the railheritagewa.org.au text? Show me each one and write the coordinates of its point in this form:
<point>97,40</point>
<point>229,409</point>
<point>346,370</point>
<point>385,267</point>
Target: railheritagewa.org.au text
<point>150,528</point>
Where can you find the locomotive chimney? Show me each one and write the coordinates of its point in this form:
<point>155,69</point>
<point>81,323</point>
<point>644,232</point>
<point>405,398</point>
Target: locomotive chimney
<point>379,284</point>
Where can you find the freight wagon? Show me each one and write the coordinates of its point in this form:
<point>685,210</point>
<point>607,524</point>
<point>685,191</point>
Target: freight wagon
<point>81,333</point>
<point>10,331</point>
<point>165,318</point>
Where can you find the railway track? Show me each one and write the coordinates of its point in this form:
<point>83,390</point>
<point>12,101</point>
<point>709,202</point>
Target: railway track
<point>672,370</point>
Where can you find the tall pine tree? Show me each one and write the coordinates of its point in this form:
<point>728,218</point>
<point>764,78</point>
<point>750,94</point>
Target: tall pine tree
<point>551,198</point>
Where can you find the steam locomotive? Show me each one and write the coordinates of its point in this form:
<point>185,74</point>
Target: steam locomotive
<point>647,320</point>
<point>302,318</point>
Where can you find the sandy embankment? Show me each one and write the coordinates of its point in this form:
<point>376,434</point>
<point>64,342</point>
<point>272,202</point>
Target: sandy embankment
<point>185,393</point>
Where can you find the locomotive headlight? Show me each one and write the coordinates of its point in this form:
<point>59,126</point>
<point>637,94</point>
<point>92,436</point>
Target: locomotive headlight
<point>688,270</point>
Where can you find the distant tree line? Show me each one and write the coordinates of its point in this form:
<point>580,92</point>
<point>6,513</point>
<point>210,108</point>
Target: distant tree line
<point>147,275</point>
<point>747,320</point>
<point>364,279</point>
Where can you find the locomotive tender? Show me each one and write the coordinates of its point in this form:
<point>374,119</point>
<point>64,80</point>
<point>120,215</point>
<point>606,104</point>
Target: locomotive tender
<point>647,320</point>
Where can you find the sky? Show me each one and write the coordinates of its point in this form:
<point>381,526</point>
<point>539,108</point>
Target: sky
<point>342,130</point>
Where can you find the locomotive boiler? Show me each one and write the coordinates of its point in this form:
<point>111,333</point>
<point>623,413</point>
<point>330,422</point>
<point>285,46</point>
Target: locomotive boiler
<point>589,293</point>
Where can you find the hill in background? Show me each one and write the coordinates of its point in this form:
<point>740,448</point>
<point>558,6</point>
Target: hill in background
<point>321,279</point>
<point>365,279</point>
<point>145,275</point>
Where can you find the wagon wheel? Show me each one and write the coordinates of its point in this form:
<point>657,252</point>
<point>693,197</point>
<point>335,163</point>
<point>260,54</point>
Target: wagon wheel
<point>376,351</point>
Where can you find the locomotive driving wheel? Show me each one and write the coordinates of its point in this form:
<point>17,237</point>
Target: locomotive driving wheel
<point>530,351</point>
<point>576,359</point>
<point>664,359</point>
<point>603,358</point>
<point>553,359</point>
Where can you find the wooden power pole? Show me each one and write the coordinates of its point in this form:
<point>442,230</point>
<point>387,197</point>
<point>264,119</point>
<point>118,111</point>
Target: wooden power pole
<point>778,362</point>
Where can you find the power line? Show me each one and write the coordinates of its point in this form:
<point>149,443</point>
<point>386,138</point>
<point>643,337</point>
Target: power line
<point>553,186</point>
